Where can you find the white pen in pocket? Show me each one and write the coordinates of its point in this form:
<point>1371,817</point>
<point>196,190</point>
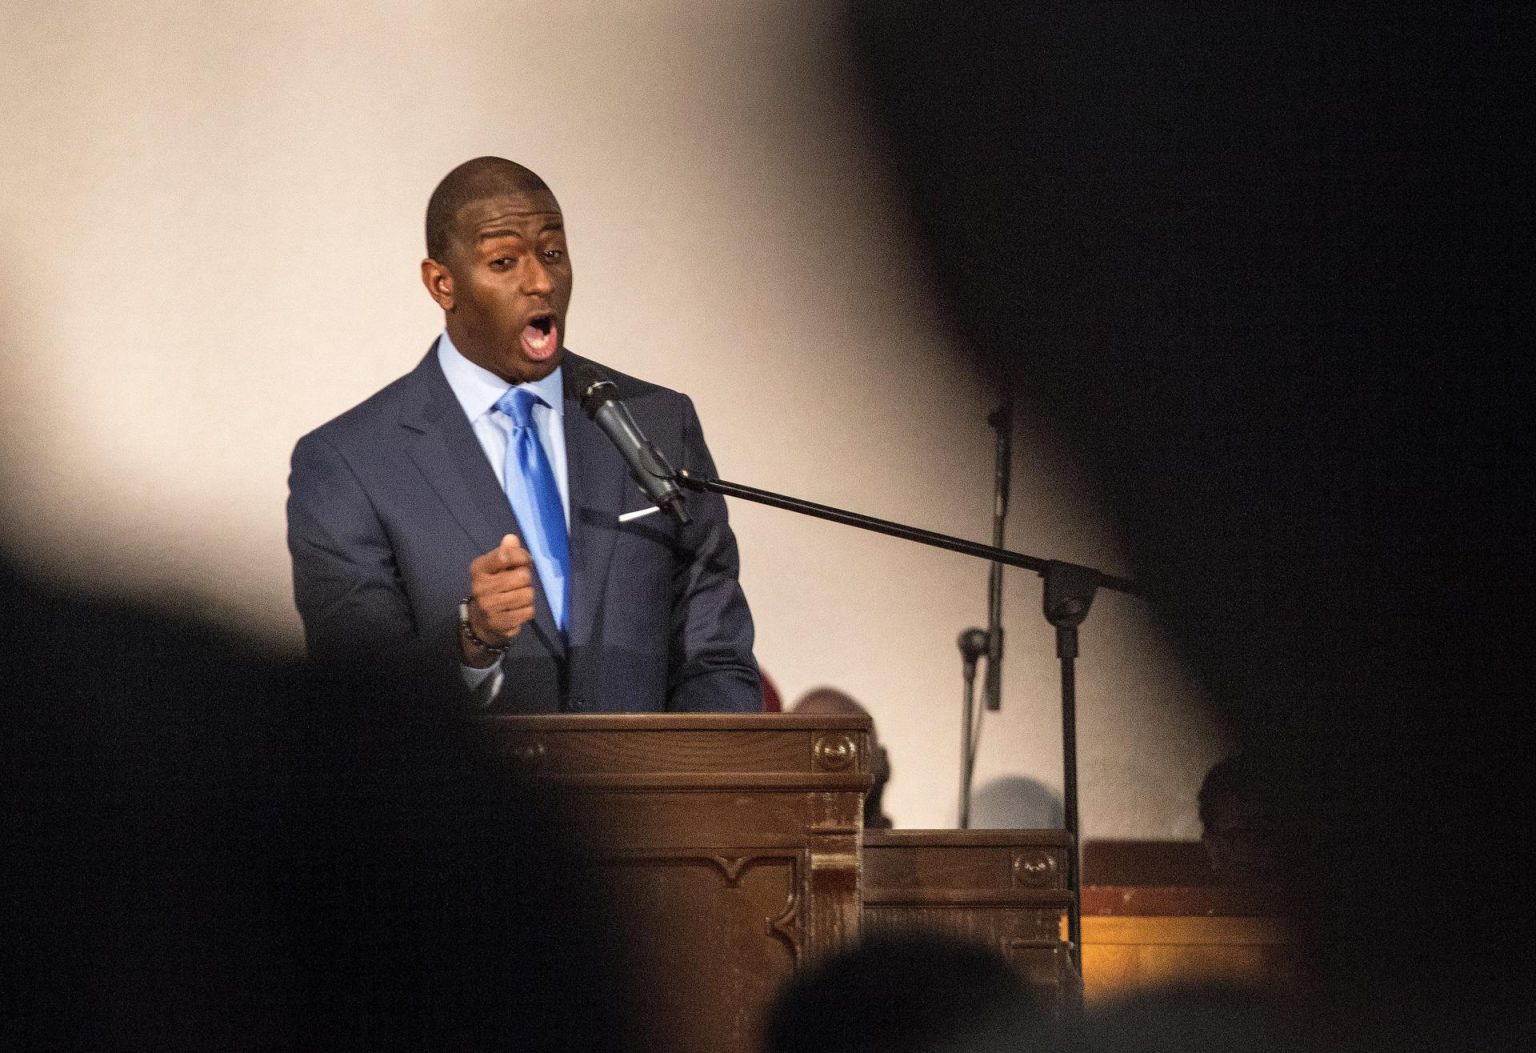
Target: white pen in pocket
<point>638,513</point>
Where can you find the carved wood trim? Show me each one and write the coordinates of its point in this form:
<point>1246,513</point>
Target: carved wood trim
<point>966,897</point>
<point>643,722</point>
<point>705,782</point>
<point>972,838</point>
<point>788,926</point>
<point>834,751</point>
<point>1010,943</point>
<point>1036,869</point>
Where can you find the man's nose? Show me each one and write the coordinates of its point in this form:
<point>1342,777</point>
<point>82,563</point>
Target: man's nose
<point>536,279</point>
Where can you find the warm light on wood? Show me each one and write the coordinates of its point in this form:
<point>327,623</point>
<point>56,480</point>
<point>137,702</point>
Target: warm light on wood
<point>1122,953</point>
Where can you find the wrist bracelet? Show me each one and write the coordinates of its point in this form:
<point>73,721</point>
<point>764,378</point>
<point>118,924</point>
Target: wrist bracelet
<point>469,630</point>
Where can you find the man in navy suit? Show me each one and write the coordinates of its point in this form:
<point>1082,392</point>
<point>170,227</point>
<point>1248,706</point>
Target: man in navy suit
<point>403,521</point>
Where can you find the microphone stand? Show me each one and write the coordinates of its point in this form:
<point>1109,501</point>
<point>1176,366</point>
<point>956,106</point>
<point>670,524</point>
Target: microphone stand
<point>1001,421</point>
<point>973,644</point>
<point>1069,592</point>
<point>990,639</point>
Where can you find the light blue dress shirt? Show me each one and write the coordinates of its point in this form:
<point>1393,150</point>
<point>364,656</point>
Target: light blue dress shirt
<point>478,390</point>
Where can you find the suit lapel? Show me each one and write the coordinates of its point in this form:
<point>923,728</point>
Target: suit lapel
<point>597,477</point>
<point>448,455</point>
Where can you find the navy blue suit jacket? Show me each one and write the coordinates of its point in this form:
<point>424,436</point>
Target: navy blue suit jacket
<point>389,502</point>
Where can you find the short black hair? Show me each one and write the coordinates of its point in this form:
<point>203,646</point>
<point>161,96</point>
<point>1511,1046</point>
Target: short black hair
<point>904,992</point>
<point>473,181</point>
<point>1241,777</point>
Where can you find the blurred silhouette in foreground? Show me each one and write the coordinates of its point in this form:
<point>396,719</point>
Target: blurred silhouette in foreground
<point>1256,271</point>
<point>912,993</point>
<point>208,850</point>
<point>832,702</point>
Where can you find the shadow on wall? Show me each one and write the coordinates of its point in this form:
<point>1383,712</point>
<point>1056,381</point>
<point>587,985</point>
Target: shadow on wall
<point>1016,803</point>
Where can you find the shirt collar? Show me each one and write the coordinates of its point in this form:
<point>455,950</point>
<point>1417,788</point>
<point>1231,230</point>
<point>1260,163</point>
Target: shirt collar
<point>478,389</point>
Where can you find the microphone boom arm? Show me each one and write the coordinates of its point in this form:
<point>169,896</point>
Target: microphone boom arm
<point>909,533</point>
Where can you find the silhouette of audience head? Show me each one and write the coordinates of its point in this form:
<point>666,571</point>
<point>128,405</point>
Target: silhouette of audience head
<point>206,849</point>
<point>904,993</point>
<point>1242,820</point>
<point>832,702</point>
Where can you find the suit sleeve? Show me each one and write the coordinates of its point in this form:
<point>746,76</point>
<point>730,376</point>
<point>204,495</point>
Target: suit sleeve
<point>712,668</point>
<point>345,581</point>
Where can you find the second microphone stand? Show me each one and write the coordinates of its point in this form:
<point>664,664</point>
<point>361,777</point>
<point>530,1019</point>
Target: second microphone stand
<point>988,641</point>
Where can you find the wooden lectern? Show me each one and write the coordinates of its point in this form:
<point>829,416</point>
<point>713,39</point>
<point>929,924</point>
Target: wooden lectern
<point>733,840</point>
<point>1005,889</point>
<point>734,843</point>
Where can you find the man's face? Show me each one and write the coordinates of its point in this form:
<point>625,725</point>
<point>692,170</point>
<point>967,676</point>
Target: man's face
<point>506,284</point>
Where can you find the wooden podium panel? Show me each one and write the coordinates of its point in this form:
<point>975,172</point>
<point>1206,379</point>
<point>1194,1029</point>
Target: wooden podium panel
<point>730,841</point>
<point>1003,888</point>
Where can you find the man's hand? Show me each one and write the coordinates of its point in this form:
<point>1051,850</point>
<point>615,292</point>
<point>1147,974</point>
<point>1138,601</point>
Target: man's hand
<point>501,597</point>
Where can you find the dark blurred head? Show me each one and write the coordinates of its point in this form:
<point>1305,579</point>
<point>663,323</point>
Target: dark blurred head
<point>1255,272</point>
<point>1241,814</point>
<point>205,849</point>
<point>911,993</point>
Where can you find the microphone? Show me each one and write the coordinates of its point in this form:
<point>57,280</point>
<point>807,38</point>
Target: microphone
<point>647,466</point>
<point>973,644</point>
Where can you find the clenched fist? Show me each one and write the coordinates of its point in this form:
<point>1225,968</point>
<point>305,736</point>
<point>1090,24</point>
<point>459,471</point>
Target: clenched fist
<point>501,597</point>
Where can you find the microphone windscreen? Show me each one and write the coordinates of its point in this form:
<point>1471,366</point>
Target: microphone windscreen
<point>586,384</point>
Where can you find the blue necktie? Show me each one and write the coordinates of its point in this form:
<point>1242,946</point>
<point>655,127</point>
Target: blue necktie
<point>541,513</point>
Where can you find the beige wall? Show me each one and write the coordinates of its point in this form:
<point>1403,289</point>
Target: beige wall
<point>209,230</point>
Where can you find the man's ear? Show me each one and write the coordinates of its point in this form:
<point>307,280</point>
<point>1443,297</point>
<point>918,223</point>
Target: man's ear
<point>439,282</point>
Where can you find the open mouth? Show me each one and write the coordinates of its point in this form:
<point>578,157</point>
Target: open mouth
<point>540,337</point>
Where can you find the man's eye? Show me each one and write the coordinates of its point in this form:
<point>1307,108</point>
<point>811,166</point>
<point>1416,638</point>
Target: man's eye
<point>554,255</point>
<point>502,262</point>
